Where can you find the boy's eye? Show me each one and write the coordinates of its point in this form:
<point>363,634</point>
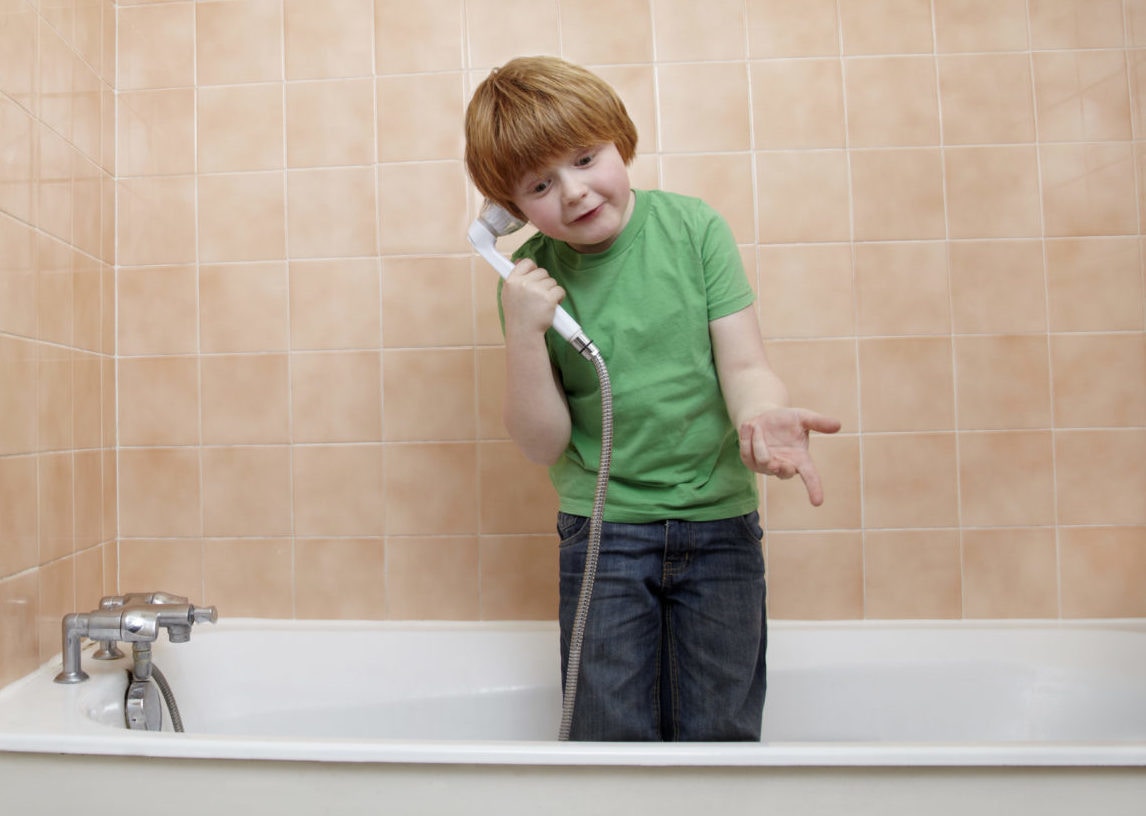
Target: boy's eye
<point>585,159</point>
<point>539,187</point>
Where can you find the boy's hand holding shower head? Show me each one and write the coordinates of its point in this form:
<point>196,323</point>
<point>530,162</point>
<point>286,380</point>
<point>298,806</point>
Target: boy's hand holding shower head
<point>493,222</point>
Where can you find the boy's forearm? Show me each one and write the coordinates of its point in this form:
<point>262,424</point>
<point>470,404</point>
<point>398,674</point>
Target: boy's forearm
<point>536,414</point>
<point>749,384</point>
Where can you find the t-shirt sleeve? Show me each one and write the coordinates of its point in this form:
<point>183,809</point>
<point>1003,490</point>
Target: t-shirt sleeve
<point>725,281</point>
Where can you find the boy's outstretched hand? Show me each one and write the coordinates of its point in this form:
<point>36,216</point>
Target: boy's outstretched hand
<point>775,443</point>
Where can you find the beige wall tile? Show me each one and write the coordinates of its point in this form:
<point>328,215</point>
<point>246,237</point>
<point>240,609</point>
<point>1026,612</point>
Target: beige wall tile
<point>778,28</point>
<point>422,209</point>
<point>245,399</point>
<point>892,101</point>
<point>156,132</point>
<point>332,212</point>
<point>335,304</point>
<point>18,290</point>
<point>806,291</point>
<point>246,491</point>
<point>159,401</point>
<point>340,578</point>
<point>87,500</point>
<point>1075,24</point>
<point>328,123</point>
<point>992,192</point>
<point>997,287</point>
<point>433,578</point>
<point>19,401</point>
<point>516,495</point>
<point>902,288</point>
<point>886,26</point>
<point>239,41</point>
<point>418,117</point>
<point>156,220</point>
<point>157,310</point>
<point>20,645</point>
<point>241,217</point>
<point>428,302</point>
<point>1094,284</point>
<point>499,30</point>
<point>785,215</point>
<point>325,39</point>
<point>432,488</point>
<point>244,307</point>
<point>815,576</point>
<point>18,63</point>
<point>907,384</point>
<point>1099,380</point>
<point>337,491</point>
<point>695,119</point>
<point>987,99</point>
<point>55,384</point>
<point>240,127</point>
<point>912,574</point>
<point>1088,189</point>
<point>248,577</point>
<point>959,25</point>
<point>490,394</point>
<point>56,502</point>
<point>797,104</point>
<point>428,395</point>
<point>628,38</point>
<point>156,47</point>
<point>1101,476</point>
<point>909,480</point>
<point>897,194</point>
<point>1081,95</point>
<point>336,396</point>
<point>1006,478</point>
<point>1004,382</point>
<point>159,492</point>
<point>1010,573</point>
<point>519,577</point>
<point>1103,569</point>
<point>425,36</point>
<point>689,31</point>
<point>18,508</point>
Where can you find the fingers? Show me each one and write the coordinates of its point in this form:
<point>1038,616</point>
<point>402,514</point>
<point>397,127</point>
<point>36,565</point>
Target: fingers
<point>818,422</point>
<point>756,456</point>
<point>812,483</point>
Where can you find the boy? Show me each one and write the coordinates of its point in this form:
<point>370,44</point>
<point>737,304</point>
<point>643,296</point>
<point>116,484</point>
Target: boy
<point>676,635</point>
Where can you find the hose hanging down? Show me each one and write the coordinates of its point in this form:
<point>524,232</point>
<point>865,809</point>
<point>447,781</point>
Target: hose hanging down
<point>593,550</point>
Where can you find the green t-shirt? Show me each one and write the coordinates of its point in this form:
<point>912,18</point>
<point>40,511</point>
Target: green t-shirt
<point>646,303</point>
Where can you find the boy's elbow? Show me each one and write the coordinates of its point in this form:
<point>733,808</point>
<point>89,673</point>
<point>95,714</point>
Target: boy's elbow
<point>539,446</point>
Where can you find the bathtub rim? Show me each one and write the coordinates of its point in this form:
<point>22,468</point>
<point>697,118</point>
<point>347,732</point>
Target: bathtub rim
<point>97,740</point>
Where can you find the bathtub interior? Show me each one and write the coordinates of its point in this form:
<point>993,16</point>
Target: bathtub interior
<point>851,693</point>
<point>842,684</point>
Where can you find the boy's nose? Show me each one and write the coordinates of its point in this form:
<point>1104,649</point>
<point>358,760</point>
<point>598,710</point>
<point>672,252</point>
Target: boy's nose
<point>573,190</point>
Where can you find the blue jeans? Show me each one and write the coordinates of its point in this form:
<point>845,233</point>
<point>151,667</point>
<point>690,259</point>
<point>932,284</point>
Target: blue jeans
<point>676,634</point>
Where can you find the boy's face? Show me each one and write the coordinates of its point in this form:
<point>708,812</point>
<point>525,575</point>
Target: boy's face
<point>582,198</point>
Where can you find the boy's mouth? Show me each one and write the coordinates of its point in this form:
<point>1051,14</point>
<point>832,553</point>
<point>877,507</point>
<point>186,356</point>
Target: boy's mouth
<point>589,216</point>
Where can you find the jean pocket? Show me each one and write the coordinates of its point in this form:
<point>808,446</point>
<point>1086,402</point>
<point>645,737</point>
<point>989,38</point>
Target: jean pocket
<point>751,524</point>
<point>571,528</point>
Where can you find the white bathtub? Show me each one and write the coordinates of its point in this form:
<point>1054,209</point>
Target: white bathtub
<point>862,717</point>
